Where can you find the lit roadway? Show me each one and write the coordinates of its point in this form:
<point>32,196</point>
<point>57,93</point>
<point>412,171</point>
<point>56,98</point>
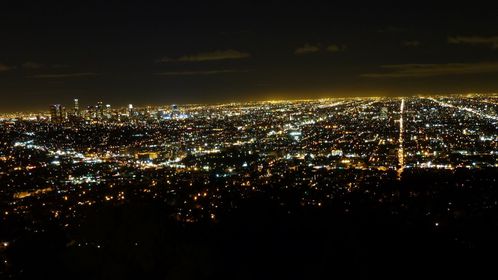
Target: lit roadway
<point>401,158</point>
<point>481,114</point>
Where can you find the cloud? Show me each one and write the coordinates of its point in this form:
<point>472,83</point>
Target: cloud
<point>32,65</point>
<point>475,40</point>
<point>68,75</point>
<point>200,73</point>
<point>4,67</point>
<point>411,43</point>
<point>336,48</point>
<point>208,56</point>
<point>307,48</point>
<point>431,70</point>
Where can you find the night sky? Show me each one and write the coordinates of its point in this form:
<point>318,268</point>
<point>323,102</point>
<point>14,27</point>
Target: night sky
<point>196,52</point>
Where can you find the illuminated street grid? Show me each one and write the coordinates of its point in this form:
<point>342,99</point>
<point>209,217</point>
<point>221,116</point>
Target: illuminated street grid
<point>199,158</point>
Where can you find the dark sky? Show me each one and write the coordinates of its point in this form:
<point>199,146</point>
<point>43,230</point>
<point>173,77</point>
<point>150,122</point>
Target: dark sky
<point>194,52</point>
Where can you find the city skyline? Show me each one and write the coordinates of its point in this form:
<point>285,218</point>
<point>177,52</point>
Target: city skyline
<point>124,105</point>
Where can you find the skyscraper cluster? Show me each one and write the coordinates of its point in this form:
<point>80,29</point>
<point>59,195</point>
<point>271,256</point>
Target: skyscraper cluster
<point>101,112</point>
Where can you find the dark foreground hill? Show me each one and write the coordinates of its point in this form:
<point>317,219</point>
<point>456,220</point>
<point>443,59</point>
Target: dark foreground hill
<point>263,238</point>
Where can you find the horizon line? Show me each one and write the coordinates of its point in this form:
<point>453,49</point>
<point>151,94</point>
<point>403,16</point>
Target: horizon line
<point>38,111</point>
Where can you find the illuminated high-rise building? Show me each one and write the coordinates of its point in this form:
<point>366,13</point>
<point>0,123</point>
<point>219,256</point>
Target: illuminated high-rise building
<point>57,113</point>
<point>130,110</point>
<point>174,111</point>
<point>107,111</point>
<point>99,109</point>
<point>90,113</point>
<point>76,108</point>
